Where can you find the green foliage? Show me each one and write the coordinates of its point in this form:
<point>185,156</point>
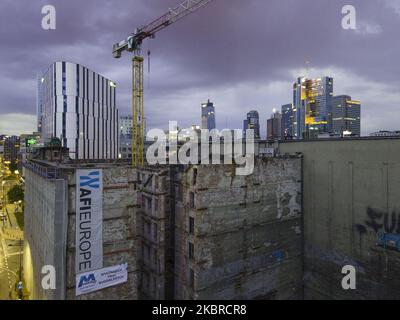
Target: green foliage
<point>15,194</point>
<point>13,166</point>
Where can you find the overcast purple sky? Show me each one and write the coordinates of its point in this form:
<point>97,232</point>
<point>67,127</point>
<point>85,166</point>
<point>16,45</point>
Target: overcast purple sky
<point>242,54</point>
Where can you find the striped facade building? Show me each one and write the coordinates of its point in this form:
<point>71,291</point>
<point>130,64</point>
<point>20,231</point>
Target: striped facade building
<point>79,107</point>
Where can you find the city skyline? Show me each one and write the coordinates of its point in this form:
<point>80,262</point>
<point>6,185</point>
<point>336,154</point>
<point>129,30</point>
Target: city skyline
<point>262,82</point>
<point>250,152</point>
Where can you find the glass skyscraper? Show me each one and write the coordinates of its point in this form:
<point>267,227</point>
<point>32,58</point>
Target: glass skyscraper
<point>287,121</point>
<point>312,99</point>
<point>274,126</point>
<point>252,122</point>
<point>346,116</point>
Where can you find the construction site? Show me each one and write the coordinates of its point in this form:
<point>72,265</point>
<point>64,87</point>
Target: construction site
<point>194,232</point>
<point>201,232</point>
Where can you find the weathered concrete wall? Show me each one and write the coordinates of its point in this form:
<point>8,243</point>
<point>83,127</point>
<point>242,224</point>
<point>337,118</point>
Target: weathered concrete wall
<point>351,193</point>
<point>246,241</point>
<point>119,230</point>
<point>154,221</point>
<point>44,234</point>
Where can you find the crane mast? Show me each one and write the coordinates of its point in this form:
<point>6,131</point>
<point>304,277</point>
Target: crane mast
<point>133,44</point>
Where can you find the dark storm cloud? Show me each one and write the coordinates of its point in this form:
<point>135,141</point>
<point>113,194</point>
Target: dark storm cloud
<point>241,53</point>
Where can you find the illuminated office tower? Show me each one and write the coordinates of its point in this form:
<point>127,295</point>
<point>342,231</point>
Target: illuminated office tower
<point>346,116</point>
<point>312,100</point>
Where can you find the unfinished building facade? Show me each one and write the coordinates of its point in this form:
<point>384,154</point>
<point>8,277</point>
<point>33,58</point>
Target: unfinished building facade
<point>50,227</point>
<point>239,237</point>
<point>155,220</point>
<point>186,232</point>
<point>207,233</point>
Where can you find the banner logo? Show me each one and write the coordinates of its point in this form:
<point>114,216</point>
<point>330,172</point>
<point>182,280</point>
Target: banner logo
<point>102,278</point>
<point>89,181</point>
<point>86,280</point>
<point>89,220</point>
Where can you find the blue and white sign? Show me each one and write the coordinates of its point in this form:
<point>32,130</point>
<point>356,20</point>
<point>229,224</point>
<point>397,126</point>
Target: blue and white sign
<point>89,220</point>
<point>99,279</point>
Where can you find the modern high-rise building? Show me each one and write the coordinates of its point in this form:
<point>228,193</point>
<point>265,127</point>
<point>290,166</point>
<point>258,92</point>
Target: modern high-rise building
<point>346,116</point>
<point>287,121</point>
<point>39,101</point>
<point>252,122</point>
<point>11,149</point>
<point>125,135</point>
<point>274,126</point>
<point>312,99</point>
<point>208,115</point>
<point>126,125</point>
<point>2,140</point>
<point>79,108</point>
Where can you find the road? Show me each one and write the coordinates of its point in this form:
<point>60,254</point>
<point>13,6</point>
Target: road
<point>11,211</point>
<point>10,250</point>
<point>5,281</point>
<point>9,267</point>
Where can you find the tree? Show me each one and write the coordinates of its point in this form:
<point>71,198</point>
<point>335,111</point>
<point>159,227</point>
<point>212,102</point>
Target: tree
<point>13,166</point>
<point>15,194</point>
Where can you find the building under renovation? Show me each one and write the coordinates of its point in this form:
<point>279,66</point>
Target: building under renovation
<point>202,232</point>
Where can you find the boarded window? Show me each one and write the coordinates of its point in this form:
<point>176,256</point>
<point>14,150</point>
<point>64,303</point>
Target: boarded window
<point>191,250</point>
<point>194,176</point>
<point>191,200</point>
<point>156,205</point>
<point>191,278</point>
<point>191,225</point>
<point>147,228</point>
<point>155,231</point>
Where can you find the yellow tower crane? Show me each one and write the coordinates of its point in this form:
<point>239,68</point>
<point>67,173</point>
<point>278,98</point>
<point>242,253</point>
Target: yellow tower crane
<point>133,44</point>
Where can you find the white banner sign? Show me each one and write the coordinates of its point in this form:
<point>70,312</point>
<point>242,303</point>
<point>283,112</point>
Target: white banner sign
<point>100,279</point>
<point>89,220</point>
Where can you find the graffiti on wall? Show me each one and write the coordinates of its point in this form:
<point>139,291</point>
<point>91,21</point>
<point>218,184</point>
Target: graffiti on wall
<point>380,221</point>
<point>386,225</point>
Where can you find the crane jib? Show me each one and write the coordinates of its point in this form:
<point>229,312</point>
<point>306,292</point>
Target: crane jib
<point>133,43</point>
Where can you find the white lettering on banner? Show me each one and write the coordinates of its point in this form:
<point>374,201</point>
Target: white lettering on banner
<point>89,220</point>
<point>100,279</point>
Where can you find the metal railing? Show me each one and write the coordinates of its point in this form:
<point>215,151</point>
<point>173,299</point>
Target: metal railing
<point>51,173</point>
